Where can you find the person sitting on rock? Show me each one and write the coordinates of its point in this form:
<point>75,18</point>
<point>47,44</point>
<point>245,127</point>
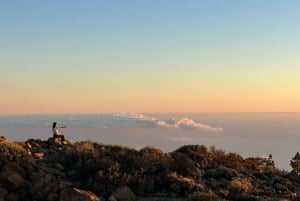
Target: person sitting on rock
<point>57,134</point>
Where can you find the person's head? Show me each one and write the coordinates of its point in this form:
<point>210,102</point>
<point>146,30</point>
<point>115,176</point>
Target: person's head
<point>54,125</point>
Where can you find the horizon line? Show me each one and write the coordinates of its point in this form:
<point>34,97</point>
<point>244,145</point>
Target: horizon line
<point>108,113</point>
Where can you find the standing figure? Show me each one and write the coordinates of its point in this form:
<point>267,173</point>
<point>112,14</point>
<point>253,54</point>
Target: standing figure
<point>56,132</point>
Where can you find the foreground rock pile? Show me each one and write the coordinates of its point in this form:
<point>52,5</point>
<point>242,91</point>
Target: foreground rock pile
<point>38,170</point>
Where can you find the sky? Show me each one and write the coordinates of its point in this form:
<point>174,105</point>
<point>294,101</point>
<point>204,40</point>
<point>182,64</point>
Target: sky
<point>149,56</point>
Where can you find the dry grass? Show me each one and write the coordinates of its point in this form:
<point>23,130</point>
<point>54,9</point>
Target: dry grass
<point>85,149</point>
<point>204,196</point>
<point>11,151</point>
<point>240,185</point>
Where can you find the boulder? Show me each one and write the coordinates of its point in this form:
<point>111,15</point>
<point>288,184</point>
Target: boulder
<point>57,140</point>
<point>218,183</point>
<point>41,186</point>
<point>75,194</point>
<point>52,197</point>
<point>11,197</point>
<point>293,176</point>
<point>123,194</point>
<point>12,176</point>
<point>38,155</point>
<point>112,198</point>
<point>13,167</point>
<point>52,171</point>
<point>58,166</point>
<point>3,193</point>
<point>54,141</point>
<point>3,139</point>
<point>14,179</point>
<point>36,143</point>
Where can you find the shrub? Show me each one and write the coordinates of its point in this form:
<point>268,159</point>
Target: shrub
<point>197,153</point>
<point>221,172</point>
<point>185,166</point>
<point>234,161</point>
<point>217,157</point>
<point>13,152</point>
<point>260,164</point>
<point>295,163</point>
<point>204,196</point>
<point>128,158</point>
<point>154,160</point>
<point>252,164</point>
<point>240,185</point>
<point>193,151</point>
<point>182,185</point>
<point>84,149</point>
<point>151,153</point>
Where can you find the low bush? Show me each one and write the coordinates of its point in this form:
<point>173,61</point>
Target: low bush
<point>240,185</point>
<point>13,152</point>
<point>205,196</point>
<point>182,186</point>
<point>84,149</point>
<point>184,166</point>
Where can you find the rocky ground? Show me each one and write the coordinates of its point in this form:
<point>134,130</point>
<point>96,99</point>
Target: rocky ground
<point>48,171</point>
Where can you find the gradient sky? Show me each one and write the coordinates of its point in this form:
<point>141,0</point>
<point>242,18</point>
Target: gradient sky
<point>149,56</point>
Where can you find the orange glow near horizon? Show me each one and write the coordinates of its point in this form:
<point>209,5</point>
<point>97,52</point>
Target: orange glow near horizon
<point>156,101</point>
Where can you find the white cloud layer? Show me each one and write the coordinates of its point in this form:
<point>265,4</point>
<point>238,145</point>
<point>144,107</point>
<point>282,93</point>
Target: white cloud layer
<point>175,123</point>
<point>186,123</point>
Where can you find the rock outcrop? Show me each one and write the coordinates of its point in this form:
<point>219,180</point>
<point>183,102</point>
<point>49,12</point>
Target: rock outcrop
<point>75,194</point>
<point>86,171</point>
<point>123,194</point>
<point>3,139</point>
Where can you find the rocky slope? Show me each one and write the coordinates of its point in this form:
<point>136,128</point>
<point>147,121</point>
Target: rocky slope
<point>45,170</point>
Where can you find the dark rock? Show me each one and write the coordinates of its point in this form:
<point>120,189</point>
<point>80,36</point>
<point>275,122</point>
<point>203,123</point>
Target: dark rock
<point>13,167</point>
<point>48,169</point>
<point>123,193</point>
<point>12,176</point>
<point>43,185</point>
<point>12,197</point>
<point>75,194</point>
<point>54,141</point>
<point>37,143</point>
<point>293,176</point>
<point>217,183</point>
<point>13,180</point>
<point>52,197</point>
<point>112,198</point>
<point>38,155</point>
<point>3,139</point>
<point>58,166</point>
<point>3,193</point>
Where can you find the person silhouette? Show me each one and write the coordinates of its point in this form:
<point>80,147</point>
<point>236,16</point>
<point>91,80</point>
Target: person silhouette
<point>56,132</point>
